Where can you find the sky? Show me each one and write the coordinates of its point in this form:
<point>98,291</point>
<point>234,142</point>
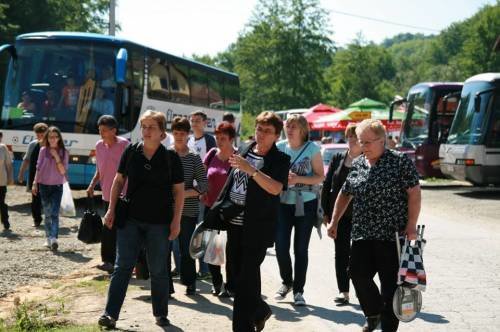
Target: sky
<point>201,27</point>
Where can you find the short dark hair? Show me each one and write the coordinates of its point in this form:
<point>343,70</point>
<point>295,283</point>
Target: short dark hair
<point>40,128</point>
<point>108,121</point>
<point>270,118</point>
<point>226,128</point>
<point>181,123</point>
<point>229,117</point>
<point>200,113</point>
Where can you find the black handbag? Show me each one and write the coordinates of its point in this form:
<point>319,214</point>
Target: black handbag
<point>90,230</point>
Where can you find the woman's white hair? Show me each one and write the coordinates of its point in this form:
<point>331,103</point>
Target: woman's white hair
<point>375,126</point>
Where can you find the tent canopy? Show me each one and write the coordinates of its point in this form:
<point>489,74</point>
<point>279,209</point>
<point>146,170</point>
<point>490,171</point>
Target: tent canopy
<point>318,111</point>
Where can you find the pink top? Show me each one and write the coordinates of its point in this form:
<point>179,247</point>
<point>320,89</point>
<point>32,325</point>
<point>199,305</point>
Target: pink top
<point>46,167</point>
<point>108,159</point>
<point>217,173</point>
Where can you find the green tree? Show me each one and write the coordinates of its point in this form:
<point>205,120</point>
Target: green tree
<point>281,55</point>
<point>361,71</point>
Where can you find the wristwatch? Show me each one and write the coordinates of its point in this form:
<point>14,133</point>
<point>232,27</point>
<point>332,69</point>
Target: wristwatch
<point>254,173</point>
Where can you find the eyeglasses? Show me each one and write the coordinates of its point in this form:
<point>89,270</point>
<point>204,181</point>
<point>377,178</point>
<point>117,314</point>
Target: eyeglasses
<point>149,127</point>
<point>367,143</point>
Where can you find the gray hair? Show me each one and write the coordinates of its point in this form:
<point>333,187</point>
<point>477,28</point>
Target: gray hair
<point>375,126</point>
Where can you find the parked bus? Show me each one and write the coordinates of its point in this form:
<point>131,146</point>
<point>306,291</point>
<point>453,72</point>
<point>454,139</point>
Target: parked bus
<point>429,110</point>
<point>472,151</point>
<point>69,79</point>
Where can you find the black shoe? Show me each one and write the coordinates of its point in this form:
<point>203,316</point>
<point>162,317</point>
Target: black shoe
<point>162,321</point>
<point>174,273</point>
<point>371,323</point>
<point>37,223</point>
<point>6,226</point>
<point>341,301</point>
<point>226,293</point>
<point>216,290</point>
<point>203,276</point>
<point>260,324</point>
<point>108,267</point>
<point>191,290</point>
<point>107,321</point>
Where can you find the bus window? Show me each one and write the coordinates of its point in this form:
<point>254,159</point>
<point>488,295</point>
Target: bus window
<point>231,95</point>
<point>179,84</point>
<point>199,87</point>
<point>158,87</point>
<point>135,85</point>
<point>215,90</point>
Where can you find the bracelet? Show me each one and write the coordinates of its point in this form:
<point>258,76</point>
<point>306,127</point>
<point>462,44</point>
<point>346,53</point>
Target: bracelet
<point>254,174</point>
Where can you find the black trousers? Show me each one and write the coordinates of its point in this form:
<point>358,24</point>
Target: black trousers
<point>108,241</point>
<point>369,257</point>
<point>188,265</point>
<point>342,254</point>
<point>36,209</point>
<point>248,305</point>
<point>4,209</point>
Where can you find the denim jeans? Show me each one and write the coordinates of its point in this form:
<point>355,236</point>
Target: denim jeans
<point>130,239</point>
<point>51,202</point>
<point>302,234</point>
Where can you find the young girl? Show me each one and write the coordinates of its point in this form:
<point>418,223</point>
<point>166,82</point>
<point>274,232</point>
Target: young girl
<point>49,178</point>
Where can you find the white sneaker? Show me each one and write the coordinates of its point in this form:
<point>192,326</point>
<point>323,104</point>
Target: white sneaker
<point>47,243</point>
<point>282,292</point>
<point>54,244</point>
<point>298,299</point>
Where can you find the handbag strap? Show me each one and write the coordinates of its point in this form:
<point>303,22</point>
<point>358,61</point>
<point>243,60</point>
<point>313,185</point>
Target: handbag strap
<point>300,154</point>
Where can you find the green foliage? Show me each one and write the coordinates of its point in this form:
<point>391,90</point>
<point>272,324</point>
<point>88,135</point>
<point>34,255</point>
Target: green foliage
<point>281,55</point>
<point>247,125</point>
<point>361,71</point>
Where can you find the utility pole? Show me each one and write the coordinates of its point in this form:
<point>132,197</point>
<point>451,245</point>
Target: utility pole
<point>112,6</point>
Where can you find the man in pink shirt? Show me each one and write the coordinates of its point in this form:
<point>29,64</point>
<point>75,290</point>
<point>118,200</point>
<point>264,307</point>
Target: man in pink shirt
<point>108,152</point>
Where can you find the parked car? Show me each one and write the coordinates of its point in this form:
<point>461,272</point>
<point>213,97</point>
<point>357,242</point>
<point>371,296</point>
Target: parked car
<point>329,150</point>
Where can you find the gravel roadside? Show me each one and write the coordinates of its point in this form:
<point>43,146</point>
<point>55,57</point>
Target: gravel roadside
<point>25,261</point>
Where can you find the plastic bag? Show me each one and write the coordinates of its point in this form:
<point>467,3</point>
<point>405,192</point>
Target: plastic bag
<point>67,208</point>
<point>216,249</point>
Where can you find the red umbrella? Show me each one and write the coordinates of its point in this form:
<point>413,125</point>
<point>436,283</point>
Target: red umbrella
<point>319,110</point>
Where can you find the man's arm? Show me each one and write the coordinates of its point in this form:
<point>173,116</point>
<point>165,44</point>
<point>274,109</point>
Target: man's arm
<point>414,205</point>
<point>95,179</point>
<point>22,170</point>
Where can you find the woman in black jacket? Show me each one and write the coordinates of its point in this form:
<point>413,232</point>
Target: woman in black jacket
<point>338,169</point>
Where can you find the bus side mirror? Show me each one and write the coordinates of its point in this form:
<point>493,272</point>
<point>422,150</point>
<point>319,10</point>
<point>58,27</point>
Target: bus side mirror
<point>477,103</point>
<point>11,49</point>
<point>396,102</point>
<point>121,66</point>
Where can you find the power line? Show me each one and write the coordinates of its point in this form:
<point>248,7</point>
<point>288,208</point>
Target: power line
<point>383,21</point>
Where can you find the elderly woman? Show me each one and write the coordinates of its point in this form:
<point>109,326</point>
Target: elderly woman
<point>259,174</point>
<point>155,191</point>
<point>386,192</point>
<point>298,208</point>
<point>195,184</point>
<point>217,164</point>
<point>339,167</point>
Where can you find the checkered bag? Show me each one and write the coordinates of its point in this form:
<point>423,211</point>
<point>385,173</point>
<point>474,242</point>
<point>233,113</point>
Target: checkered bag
<point>411,272</point>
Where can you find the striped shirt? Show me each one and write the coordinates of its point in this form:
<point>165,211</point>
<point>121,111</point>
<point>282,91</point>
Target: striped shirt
<point>238,192</point>
<point>195,177</point>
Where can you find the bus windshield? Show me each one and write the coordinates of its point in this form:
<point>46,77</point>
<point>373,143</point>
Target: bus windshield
<point>416,124</point>
<point>469,126</point>
<point>62,84</point>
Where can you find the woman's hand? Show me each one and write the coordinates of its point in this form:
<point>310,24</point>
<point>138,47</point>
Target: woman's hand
<point>109,219</point>
<point>54,154</point>
<point>332,229</point>
<point>292,178</point>
<point>241,163</point>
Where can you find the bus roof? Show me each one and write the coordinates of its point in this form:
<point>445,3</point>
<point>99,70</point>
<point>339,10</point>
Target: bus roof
<point>96,37</point>
<point>437,85</point>
<point>485,77</point>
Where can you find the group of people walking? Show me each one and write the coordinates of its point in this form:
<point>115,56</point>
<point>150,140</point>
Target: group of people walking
<point>154,194</point>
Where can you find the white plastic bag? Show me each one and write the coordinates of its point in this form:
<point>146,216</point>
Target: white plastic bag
<point>67,205</point>
<point>216,249</point>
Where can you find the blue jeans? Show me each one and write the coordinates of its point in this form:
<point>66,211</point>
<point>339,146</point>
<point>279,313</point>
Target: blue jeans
<point>302,234</point>
<point>51,202</point>
<point>130,239</point>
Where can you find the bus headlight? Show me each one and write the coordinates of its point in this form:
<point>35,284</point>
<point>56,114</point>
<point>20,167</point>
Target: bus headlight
<point>466,162</point>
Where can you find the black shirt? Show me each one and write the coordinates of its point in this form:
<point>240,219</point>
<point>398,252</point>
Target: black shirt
<point>150,183</point>
<point>380,200</point>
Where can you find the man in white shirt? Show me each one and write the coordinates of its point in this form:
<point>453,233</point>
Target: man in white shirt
<point>200,142</point>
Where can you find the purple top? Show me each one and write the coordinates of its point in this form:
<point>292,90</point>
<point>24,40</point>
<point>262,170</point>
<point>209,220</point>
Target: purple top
<point>46,167</point>
<point>217,173</point>
<point>108,159</point>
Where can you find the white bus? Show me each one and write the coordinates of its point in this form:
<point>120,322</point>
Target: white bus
<point>472,151</point>
<point>69,79</point>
